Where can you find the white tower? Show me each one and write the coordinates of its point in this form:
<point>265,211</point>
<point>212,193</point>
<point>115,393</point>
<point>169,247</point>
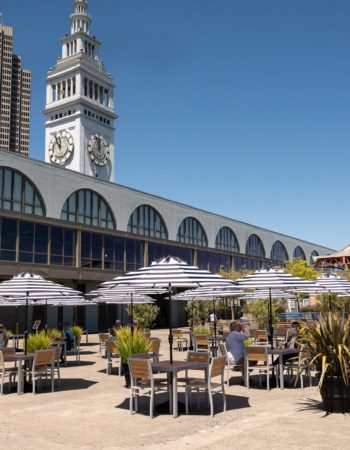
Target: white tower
<point>79,110</point>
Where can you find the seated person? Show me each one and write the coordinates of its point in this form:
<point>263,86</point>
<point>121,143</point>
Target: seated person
<point>204,324</point>
<point>117,325</point>
<point>68,336</point>
<point>234,342</point>
<point>3,336</point>
<point>291,343</point>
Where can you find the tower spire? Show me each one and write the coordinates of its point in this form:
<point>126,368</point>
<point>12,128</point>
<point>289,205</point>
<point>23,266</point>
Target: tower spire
<point>80,19</point>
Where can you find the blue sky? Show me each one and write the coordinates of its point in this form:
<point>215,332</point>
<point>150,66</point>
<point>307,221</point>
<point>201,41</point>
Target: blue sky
<point>240,107</point>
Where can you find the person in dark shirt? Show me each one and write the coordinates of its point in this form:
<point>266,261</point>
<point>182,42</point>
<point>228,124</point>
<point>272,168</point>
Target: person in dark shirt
<point>68,336</point>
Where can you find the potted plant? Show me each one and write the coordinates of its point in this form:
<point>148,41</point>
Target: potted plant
<point>38,341</point>
<point>77,331</point>
<point>128,343</point>
<point>327,349</point>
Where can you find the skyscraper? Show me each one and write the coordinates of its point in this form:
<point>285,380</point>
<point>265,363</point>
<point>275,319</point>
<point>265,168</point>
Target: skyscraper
<point>15,85</point>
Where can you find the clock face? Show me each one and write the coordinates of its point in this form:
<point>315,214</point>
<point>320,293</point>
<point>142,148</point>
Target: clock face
<point>61,147</point>
<point>98,149</point>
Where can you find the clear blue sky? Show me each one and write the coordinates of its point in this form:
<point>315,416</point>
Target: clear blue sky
<point>241,107</point>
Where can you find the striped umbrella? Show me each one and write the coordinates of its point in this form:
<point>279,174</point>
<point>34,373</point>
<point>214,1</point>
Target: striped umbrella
<point>210,293</point>
<point>171,273</point>
<point>333,284</point>
<point>31,287</point>
<point>273,279</point>
<point>265,294</point>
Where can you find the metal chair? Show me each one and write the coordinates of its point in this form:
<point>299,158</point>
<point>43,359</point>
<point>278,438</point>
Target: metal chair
<point>228,365</point>
<point>260,337</point>
<point>257,353</point>
<point>142,381</point>
<point>180,340</point>
<point>43,366</point>
<point>76,349</point>
<point>112,355</point>
<point>216,369</point>
<point>201,343</point>
<point>5,372</point>
<point>57,360</point>
<point>103,337</point>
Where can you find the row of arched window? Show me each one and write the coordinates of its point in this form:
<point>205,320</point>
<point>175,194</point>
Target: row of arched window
<point>17,193</point>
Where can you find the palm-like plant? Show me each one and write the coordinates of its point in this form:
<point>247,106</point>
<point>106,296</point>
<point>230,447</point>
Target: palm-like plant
<point>327,347</point>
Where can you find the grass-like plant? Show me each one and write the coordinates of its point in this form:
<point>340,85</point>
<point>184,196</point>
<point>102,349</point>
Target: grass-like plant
<point>201,330</point>
<point>77,330</point>
<point>39,341</point>
<point>327,346</point>
<point>54,333</point>
<point>129,343</point>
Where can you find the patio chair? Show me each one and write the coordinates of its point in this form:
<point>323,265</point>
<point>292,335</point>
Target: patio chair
<point>229,366</point>
<point>155,348</point>
<point>57,360</point>
<point>299,366</point>
<point>260,337</point>
<point>75,350</point>
<point>5,372</point>
<point>103,337</point>
<point>216,369</point>
<point>201,343</point>
<point>112,355</point>
<point>280,336</point>
<point>143,383</point>
<point>258,354</point>
<point>42,367</point>
<point>180,340</point>
<point>201,357</point>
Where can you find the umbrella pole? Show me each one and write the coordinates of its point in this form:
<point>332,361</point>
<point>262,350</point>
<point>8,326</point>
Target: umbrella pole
<point>132,314</point>
<point>270,319</point>
<point>45,317</point>
<point>26,321</point>
<point>214,326</point>
<point>170,327</point>
<point>192,320</point>
<point>329,301</point>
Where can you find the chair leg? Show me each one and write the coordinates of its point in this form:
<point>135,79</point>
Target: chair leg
<point>131,401</point>
<point>52,380</point>
<point>268,379</point>
<point>151,404</point>
<point>211,403</point>
<point>224,397</point>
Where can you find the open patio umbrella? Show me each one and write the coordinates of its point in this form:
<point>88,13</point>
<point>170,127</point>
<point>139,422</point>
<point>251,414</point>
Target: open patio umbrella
<point>210,293</point>
<point>171,273</point>
<point>31,287</point>
<point>333,284</point>
<point>273,279</point>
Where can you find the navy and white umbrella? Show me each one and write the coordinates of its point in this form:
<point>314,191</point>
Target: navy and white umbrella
<point>30,287</point>
<point>333,284</point>
<point>170,273</point>
<point>273,279</point>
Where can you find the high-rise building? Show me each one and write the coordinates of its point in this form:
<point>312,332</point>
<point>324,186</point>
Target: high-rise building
<point>80,104</point>
<point>15,86</point>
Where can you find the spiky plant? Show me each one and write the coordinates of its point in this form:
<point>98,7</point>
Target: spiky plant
<point>54,333</point>
<point>129,343</point>
<point>201,330</point>
<point>327,346</point>
<point>39,341</point>
<point>77,330</point>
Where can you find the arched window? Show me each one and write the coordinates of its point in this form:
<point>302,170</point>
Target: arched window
<point>191,232</point>
<point>147,221</point>
<point>254,246</point>
<point>299,253</point>
<point>18,193</point>
<point>279,252</point>
<point>226,240</point>
<point>313,253</point>
<point>89,208</point>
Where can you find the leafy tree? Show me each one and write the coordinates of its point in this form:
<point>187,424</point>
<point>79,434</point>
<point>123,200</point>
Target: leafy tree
<point>299,268</point>
<point>145,314</point>
<point>197,310</point>
<point>339,304</point>
<point>259,308</point>
<point>234,274</point>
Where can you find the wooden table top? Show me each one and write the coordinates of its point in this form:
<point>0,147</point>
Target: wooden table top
<point>176,366</point>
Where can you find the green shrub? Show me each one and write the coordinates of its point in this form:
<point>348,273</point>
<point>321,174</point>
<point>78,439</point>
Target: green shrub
<point>145,315</point>
<point>197,310</point>
<point>129,343</point>
<point>201,330</point>
<point>259,308</point>
<point>38,341</point>
<point>77,331</point>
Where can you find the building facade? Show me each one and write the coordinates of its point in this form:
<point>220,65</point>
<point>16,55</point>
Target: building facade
<point>15,86</point>
<point>67,220</point>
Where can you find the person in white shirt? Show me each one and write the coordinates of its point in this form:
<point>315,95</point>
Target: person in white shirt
<point>234,342</point>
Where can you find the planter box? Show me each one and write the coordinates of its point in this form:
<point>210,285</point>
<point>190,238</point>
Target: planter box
<point>335,395</point>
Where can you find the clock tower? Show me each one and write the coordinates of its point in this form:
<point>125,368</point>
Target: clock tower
<point>79,110</point>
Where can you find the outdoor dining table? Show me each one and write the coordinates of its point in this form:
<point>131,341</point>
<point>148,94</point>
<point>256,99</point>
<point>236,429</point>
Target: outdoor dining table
<point>281,352</point>
<point>19,358</point>
<point>172,370</point>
